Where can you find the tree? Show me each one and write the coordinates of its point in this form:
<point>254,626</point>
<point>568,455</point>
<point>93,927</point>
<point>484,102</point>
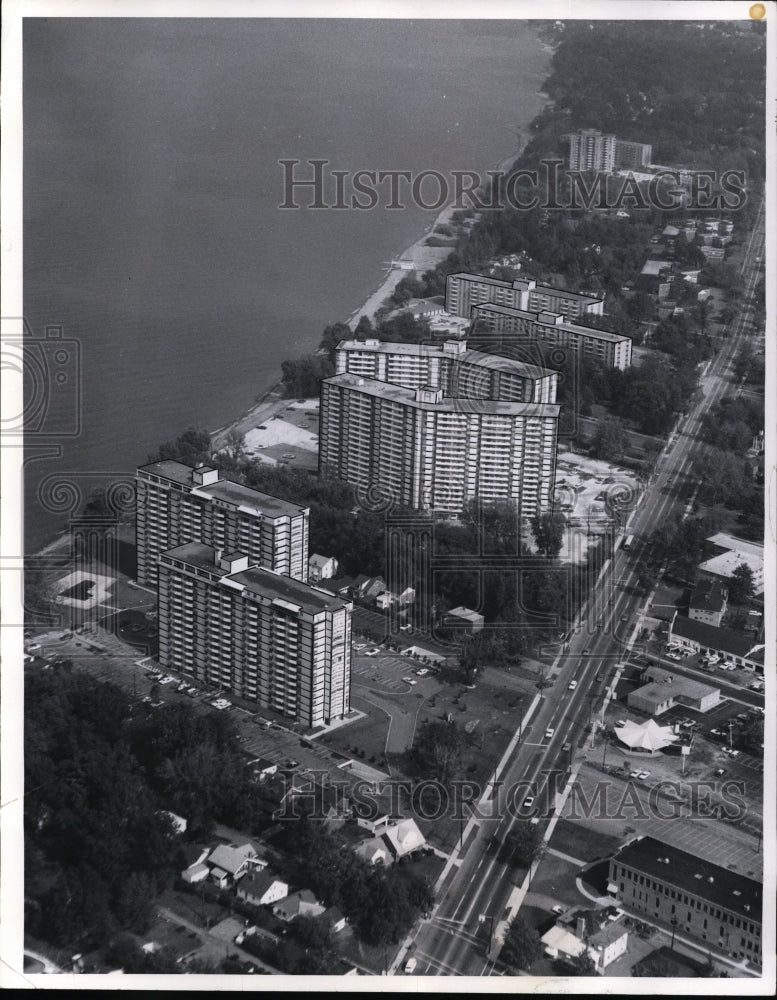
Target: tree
<point>191,447</point>
<point>582,965</point>
<point>740,585</point>
<point>548,530</point>
<point>610,441</point>
<point>437,749</point>
<point>738,620</point>
<point>524,841</point>
<point>521,946</point>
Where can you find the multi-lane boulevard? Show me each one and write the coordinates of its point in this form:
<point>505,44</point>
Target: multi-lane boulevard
<point>474,898</point>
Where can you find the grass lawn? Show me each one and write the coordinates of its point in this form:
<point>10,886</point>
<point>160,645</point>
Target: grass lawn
<point>579,841</point>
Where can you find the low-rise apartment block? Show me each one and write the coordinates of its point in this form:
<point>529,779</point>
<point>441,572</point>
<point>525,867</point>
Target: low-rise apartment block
<point>266,638</point>
<point>177,503</point>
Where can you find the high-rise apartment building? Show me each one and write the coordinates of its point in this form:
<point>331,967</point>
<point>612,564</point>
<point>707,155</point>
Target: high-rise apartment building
<point>263,637</point>
<point>589,149</point>
<point>504,327</point>
<point>634,155</point>
<point>177,503</point>
<point>428,451</point>
<point>449,366</point>
<point>464,291</point>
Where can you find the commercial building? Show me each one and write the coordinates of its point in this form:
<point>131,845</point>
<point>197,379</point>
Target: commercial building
<point>266,638</point>
<point>718,908</point>
<point>664,690</point>
<point>417,448</point>
<point>449,366</point>
<point>736,647</point>
<point>464,291</point>
<point>505,326</point>
<point>464,619</point>
<point>177,503</point>
<point>632,154</point>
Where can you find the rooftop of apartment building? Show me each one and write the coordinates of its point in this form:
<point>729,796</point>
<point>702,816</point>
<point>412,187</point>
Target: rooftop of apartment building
<point>224,489</point>
<point>262,582</point>
<point>707,595</point>
<point>449,349</point>
<point>695,875</point>
<point>554,319</point>
<point>446,404</point>
<point>530,284</point>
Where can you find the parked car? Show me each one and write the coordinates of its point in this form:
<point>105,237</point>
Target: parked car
<point>558,909</point>
<point>409,680</point>
<point>410,966</point>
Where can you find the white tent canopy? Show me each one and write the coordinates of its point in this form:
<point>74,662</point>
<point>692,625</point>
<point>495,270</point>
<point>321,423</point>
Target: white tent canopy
<point>646,735</point>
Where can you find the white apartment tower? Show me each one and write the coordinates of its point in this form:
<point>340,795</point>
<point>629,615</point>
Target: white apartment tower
<point>265,638</point>
<point>177,503</point>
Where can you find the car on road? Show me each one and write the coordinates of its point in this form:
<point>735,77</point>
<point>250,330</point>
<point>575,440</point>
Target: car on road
<point>528,802</point>
<point>549,733</point>
<point>410,966</point>
<point>558,909</point>
<point>673,656</point>
<point>566,748</point>
<point>624,618</point>
<point>409,680</point>
<point>586,652</point>
<point>572,685</point>
<point>619,723</point>
<point>372,652</point>
<point>290,762</point>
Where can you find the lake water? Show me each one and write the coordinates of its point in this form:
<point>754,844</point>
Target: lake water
<point>153,235</point>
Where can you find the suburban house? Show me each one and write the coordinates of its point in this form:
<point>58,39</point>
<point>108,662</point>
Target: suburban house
<point>403,838</point>
<point>263,768</point>
<point>178,822</point>
<point>600,933</point>
<point>708,602</point>
<point>334,920</point>
<point>385,600</point>
<point>737,647</point>
<point>464,619</point>
<point>261,888</point>
<point>230,862</point>
<point>321,568</point>
<point>375,851</point>
<point>375,824</point>
<point>298,904</point>
<point>192,857</point>
<point>664,690</point>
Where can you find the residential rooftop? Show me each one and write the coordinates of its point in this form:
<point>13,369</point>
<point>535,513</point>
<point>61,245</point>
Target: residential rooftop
<point>696,875</point>
<point>447,404</point>
<point>225,489</point>
<point>558,321</point>
<point>264,583</point>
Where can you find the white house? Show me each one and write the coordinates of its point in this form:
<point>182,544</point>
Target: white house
<point>321,567</point>
<point>403,838</point>
<point>261,888</point>
<point>234,861</point>
<point>374,850</point>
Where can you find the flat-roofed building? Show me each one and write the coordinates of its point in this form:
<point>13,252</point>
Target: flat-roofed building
<point>266,638</point>
<point>735,552</point>
<point>737,647</point>
<point>464,291</point>
<point>632,154</point>
<point>450,366</point>
<point>590,149</point>
<point>504,327</point>
<point>177,503</point>
<point>420,449</point>
<point>664,690</point>
<point>718,908</point>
